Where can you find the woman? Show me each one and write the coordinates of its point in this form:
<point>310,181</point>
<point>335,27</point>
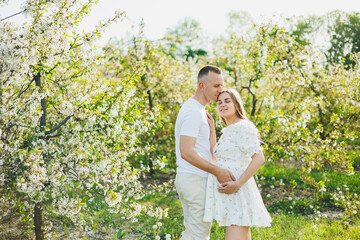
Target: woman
<point>237,204</point>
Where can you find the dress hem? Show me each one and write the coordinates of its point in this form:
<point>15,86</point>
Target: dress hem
<point>221,223</point>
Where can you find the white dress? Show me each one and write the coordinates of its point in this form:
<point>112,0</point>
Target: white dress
<point>233,151</point>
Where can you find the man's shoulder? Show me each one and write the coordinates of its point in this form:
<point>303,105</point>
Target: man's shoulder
<point>189,106</point>
<point>189,111</point>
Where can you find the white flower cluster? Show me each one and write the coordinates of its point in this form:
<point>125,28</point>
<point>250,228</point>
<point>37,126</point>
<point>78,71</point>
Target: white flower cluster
<point>269,101</point>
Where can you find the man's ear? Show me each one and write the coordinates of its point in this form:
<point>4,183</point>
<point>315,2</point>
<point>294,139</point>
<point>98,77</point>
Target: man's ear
<point>201,85</point>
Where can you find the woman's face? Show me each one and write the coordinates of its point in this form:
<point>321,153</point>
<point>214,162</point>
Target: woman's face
<point>225,106</point>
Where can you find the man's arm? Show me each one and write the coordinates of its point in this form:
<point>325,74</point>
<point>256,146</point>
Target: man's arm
<point>188,153</point>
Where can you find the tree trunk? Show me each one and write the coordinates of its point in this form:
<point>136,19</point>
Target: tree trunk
<point>38,216</point>
<point>150,99</point>
<point>253,105</point>
<point>38,222</point>
<point>43,102</point>
<point>235,77</point>
<point>151,165</point>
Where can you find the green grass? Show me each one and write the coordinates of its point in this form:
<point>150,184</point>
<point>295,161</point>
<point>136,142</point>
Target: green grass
<point>334,179</point>
<point>288,227</point>
<point>284,226</point>
<point>292,219</point>
<point>337,179</point>
<point>300,227</point>
<point>172,225</point>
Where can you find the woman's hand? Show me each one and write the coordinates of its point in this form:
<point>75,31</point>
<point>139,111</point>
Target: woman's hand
<point>229,187</point>
<point>211,122</point>
<point>212,137</point>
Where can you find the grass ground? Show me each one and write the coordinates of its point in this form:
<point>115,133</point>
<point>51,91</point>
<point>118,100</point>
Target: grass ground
<point>285,226</point>
<point>298,210</point>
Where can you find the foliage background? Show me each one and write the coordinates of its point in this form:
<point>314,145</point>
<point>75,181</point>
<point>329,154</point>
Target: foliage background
<point>87,132</point>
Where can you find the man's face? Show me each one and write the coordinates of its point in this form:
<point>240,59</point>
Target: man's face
<point>213,86</point>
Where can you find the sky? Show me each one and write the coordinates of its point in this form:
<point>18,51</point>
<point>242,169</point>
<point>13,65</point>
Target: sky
<point>159,15</point>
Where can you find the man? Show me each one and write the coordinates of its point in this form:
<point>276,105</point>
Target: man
<point>193,156</point>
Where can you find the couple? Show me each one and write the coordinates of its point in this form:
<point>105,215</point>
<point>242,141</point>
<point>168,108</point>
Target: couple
<point>229,193</point>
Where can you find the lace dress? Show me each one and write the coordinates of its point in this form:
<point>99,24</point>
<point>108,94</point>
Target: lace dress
<point>233,151</point>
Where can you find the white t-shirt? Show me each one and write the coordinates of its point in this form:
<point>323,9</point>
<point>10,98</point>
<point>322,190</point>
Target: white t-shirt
<point>192,121</point>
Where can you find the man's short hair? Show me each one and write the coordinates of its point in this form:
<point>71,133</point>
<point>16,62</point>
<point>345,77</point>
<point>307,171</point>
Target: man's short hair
<point>204,71</point>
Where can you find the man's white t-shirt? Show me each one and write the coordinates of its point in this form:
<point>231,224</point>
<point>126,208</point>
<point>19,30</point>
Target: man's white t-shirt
<point>192,121</point>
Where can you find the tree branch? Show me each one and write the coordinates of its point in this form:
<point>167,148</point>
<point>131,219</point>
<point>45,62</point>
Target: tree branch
<point>280,116</point>
<point>12,15</point>
<point>21,92</point>
<point>5,140</point>
<point>253,96</point>
<point>59,125</point>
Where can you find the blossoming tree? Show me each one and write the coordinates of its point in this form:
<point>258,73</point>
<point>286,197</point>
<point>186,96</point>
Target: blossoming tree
<point>66,130</point>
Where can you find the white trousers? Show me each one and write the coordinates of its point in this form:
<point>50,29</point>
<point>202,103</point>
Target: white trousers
<point>191,189</point>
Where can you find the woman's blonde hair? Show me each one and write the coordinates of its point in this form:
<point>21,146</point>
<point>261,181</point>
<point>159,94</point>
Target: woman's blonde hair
<point>236,99</point>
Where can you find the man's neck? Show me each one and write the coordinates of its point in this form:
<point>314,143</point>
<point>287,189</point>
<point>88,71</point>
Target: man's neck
<point>198,96</point>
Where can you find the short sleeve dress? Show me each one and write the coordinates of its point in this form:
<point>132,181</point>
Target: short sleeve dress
<point>233,151</point>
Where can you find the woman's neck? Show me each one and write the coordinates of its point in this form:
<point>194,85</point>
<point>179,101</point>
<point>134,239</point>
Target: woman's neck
<point>232,120</point>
